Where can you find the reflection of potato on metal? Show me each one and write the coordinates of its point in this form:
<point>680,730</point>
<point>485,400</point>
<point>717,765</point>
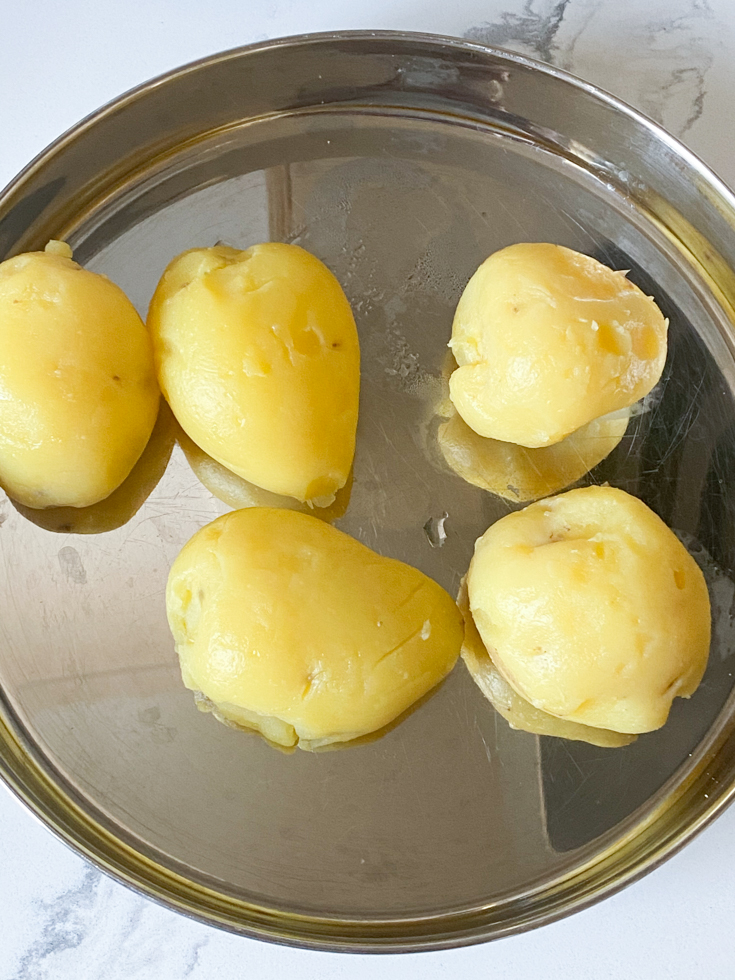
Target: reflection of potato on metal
<point>123,503</point>
<point>592,609</point>
<point>237,493</point>
<point>230,716</point>
<point>292,628</point>
<point>517,711</point>
<point>520,474</point>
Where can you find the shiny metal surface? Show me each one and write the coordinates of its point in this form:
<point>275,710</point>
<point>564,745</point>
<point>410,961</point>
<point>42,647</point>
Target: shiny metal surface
<point>401,161</point>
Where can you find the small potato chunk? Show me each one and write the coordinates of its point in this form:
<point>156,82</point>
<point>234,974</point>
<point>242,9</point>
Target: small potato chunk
<point>292,628</point>
<point>78,391</point>
<point>257,354</point>
<point>592,609</point>
<point>547,340</point>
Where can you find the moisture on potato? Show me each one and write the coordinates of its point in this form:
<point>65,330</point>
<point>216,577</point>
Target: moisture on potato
<point>294,629</point>
<point>592,609</point>
<point>257,354</point>
<point>78,391</point>
<point>548,339</point>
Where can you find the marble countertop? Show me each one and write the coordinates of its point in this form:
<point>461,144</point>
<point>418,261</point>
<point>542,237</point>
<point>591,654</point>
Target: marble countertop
<point>59,60</point>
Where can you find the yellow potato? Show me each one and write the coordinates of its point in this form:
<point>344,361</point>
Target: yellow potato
<point>547,340</point>
<point>294,629</point>
<point>520,474</point>
<point>258,356</point>
<point>517,711</point>
<point>592,609</point>
<point>123,503</point>
<point>78,392</point>
<point>232,490</point>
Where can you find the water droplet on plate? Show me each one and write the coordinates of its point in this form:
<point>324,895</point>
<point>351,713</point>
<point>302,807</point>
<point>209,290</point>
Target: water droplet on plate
<point>435,531</point>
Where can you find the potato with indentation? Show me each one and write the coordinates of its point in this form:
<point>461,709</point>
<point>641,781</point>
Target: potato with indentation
<point>592,609</point>
<point>296,630</point>
<point>548,339</point>
<point>257,354</point>
<point>78,391</point>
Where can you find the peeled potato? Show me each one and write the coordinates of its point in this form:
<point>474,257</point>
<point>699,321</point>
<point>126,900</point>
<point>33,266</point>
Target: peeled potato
<point>517,711</point>
<point>232,490</point>
<point>123,503</point>
<point>592,609</point>
<point>298,631</point>
<point>78,389</point>
<point>257,355</point>
<point>547,340</point>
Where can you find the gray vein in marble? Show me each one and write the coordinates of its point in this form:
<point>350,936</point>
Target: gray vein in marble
<point>65,925</point>
<point>656,58</point>
<point>680,76</point>
<point>534,29</point>
<point>114,933</point>
<point>193,960</point>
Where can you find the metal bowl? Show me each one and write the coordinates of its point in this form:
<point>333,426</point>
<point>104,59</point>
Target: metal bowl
<point>402,161</point>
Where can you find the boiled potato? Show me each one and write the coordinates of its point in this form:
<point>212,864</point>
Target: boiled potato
<point>592,609</point>
<point>232,490</point>
<point>257,354</point>
<point>292,628</point>
<point>122,504</point>
<point>547,340</point>
<point>78,392</point>
<point>517,711</point>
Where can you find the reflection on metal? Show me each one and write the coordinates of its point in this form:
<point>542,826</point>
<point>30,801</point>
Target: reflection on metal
<point>278,189</point>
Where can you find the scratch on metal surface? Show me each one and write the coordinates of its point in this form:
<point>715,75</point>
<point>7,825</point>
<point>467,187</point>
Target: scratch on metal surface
<point>488,753</point>
<point>574,761</point>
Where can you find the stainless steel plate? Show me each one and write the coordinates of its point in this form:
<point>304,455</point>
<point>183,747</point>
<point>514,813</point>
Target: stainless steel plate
<point>401,161</point>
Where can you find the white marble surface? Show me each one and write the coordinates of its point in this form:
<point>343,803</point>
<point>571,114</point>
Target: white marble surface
<point>60,59</point>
